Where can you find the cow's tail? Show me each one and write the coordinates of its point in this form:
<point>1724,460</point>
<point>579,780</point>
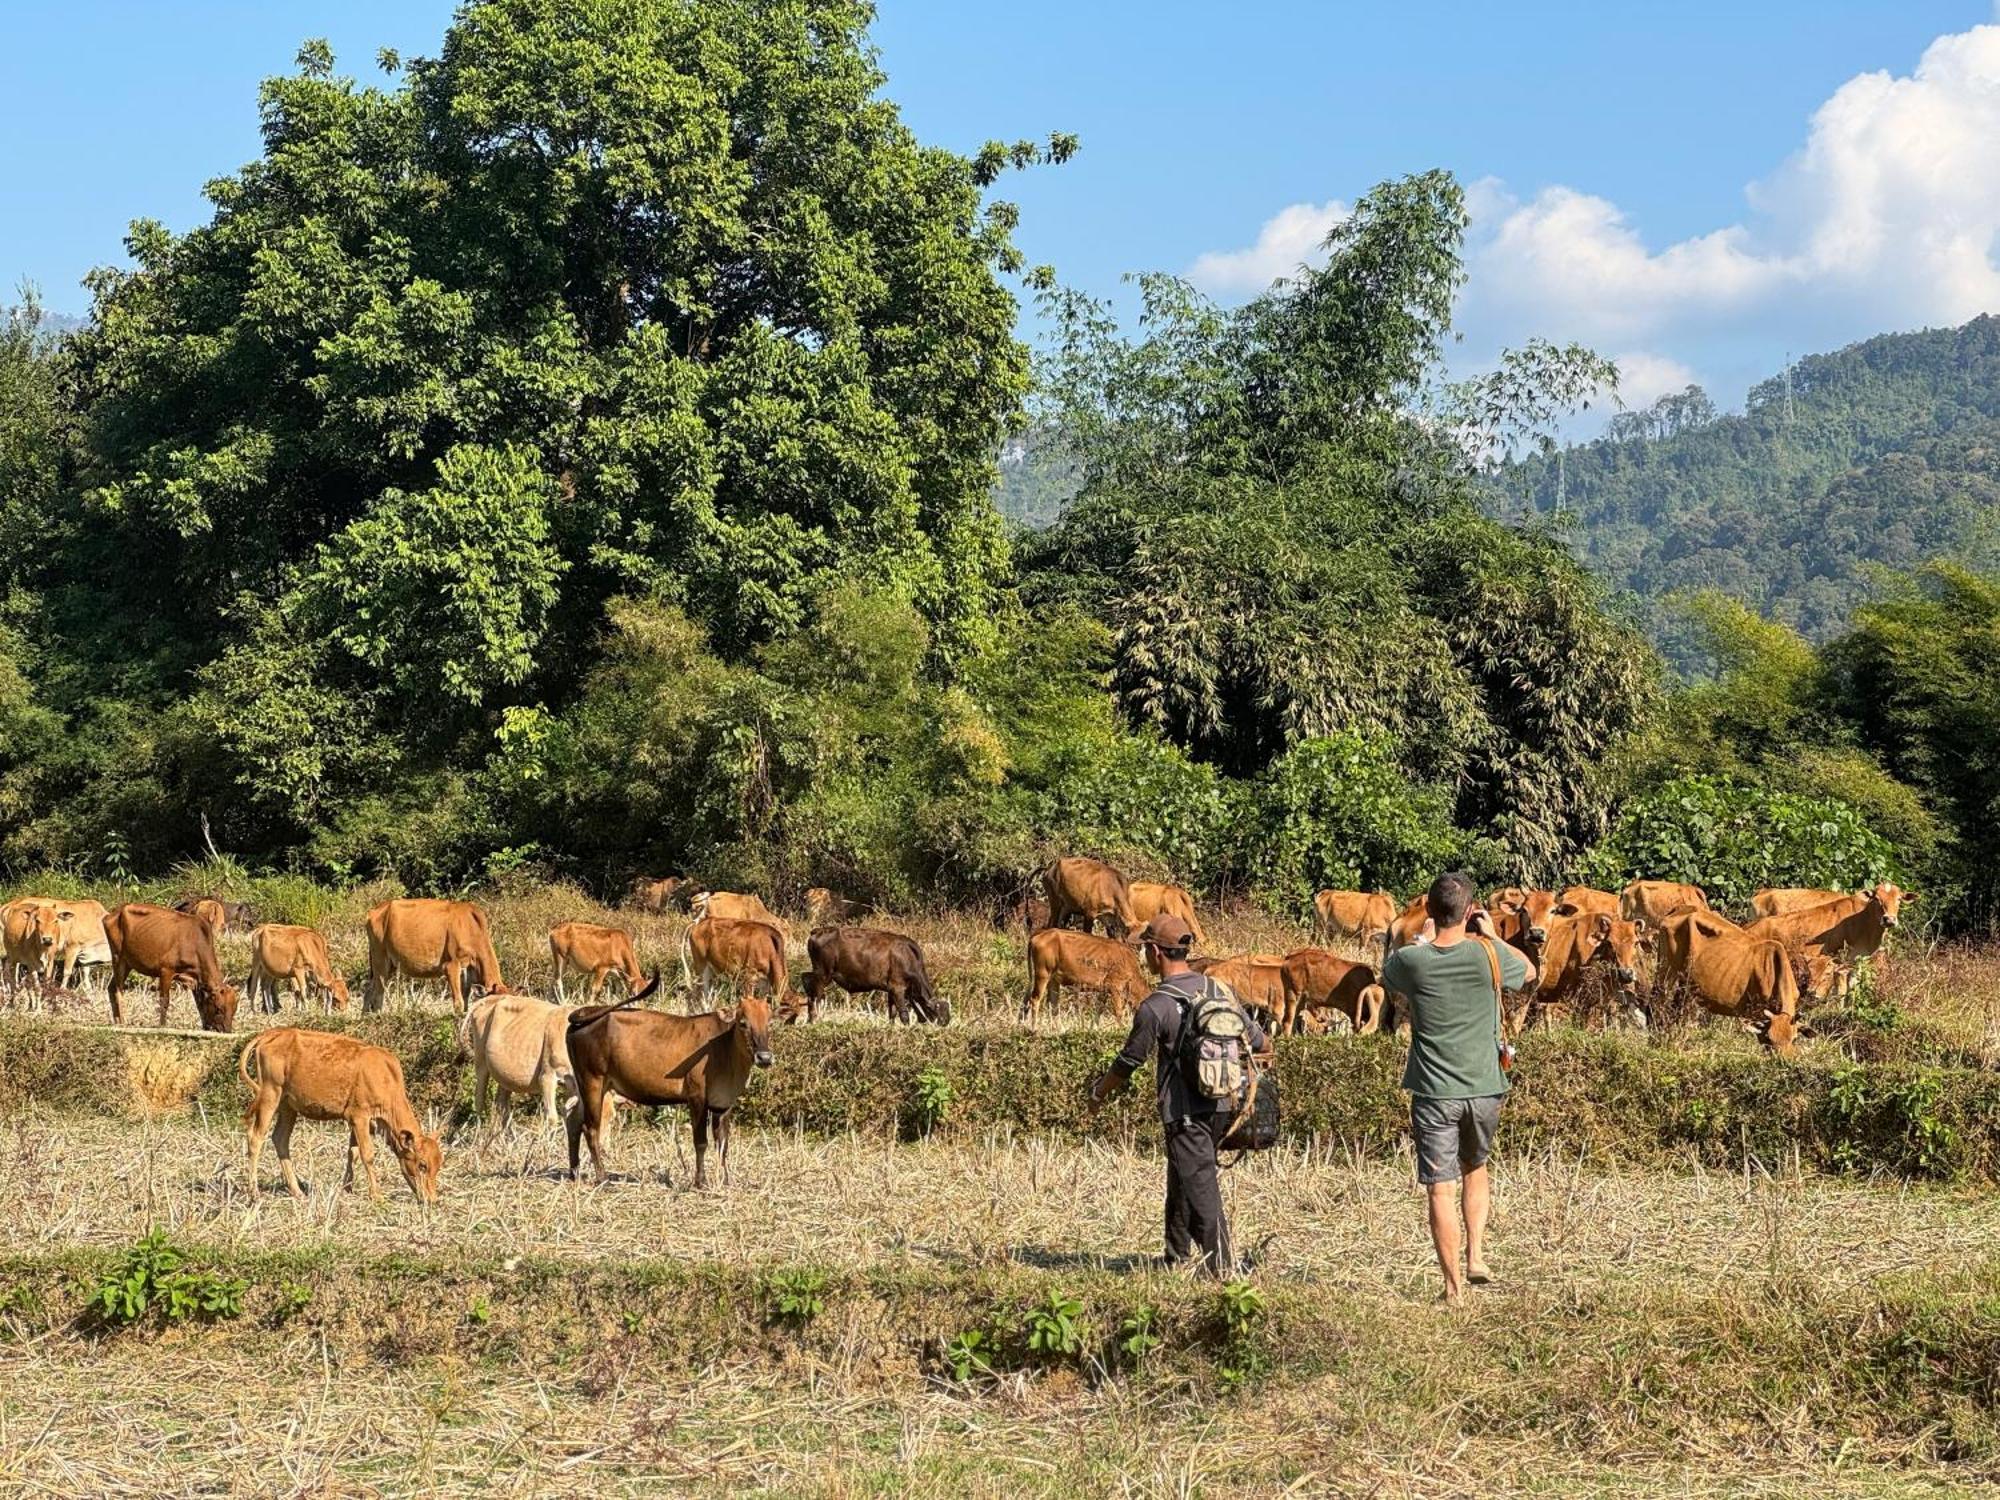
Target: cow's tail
<point>589,1015</point>
<point>243,1061</point>
<point>465,1034</point>
<point>687,951</point>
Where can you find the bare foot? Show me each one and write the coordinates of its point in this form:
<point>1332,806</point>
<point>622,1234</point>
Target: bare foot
<point>1480,1274</point>
<point>1452,1295</point>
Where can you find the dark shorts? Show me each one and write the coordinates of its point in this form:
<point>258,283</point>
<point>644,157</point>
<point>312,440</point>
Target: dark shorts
<point>1452,1136</point>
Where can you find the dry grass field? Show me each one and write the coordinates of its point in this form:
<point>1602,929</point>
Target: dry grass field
<point>1699,1331</point>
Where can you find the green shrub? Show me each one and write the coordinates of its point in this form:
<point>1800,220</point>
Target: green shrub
<point>795,1294</point>
<point>1732,840</point>
<point>1055,1327</point>
<point>155,1279</point>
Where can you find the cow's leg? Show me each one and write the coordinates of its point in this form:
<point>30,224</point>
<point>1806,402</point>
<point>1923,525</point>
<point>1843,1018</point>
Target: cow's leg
<point>481,1079</point>
<point>597,979</point>
<point>281,1137</point>
<point>586,1123</point>
<point>362,1145</point>
<point>454,980</point>
<point>547,1083</point>
<point>166,993</point>
<point>723,1118</point>
<point>299,994</point>
<point>118,972</point>
<point>257,1124</point>
<point>698,1113</point>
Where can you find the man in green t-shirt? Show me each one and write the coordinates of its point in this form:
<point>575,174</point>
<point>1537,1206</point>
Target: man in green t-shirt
<point>1454,1074</point>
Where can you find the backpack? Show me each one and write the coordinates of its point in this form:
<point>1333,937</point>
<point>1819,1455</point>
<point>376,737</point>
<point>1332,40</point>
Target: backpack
<point>1214,1044</point>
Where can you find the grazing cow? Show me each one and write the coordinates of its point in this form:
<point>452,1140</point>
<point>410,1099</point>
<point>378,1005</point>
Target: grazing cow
<point>30,927</point>
<point>1084,961</point>
<point>1651,902</point>
<point>519,1045</point>
<point>1256,979</point>
<point>167,946</point>
<point>1736,974</point>
<point>652,1058</point>
<point>825,909</point>
<point>741,953</point>
<point>1316,980</point>
<point>1151,898</point>
<point>1580,943</point>
<point>297,1074</point>
<point>1844,930</point>
<point>597,951</point>
<point>293,954</point>
<point>1585,900</point>
<point>80,939</point>
<point>653,896</point>
<point>1089,888</point>
<point>1774,901</point>
<point>431,939</point>
<point>1358,916</point>
<point>869,960</point>
<point>734,907</point>
<point>1680,936</point>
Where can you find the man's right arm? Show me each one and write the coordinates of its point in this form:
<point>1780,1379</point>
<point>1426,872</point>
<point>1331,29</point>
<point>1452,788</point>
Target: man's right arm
<point>1139,1045</point>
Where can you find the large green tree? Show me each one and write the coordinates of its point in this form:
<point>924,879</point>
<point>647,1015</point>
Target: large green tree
<point>610,298</point>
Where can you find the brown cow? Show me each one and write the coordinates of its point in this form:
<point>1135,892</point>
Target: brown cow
<point>653,896</point>
<point>597,951</point>
<point>1580,943</point>
<point>872,960</point>
<point>1257,980</point>
<point>168,945</point>
<point>205,910</point>
<point>740,952</point>
<point>431,939</point>
<point>1084,961</point>
<point>653,1058</point>
<point>733,906</point>
<point>1680,936</point>
<point>1521,916</point>
<point>293,954</point>
<point>1774,901</point>
<point>825,909</point>
<point>29,929</point>
<point>316,1075</point>
<point>1844,930</point>
<point>1318,980</point>
<point>1585,900</point>
<point>1093,890</point>
<point>80,939</point>
<point>1651,902</point>
<point>1359,916</point>
<point>1151,898</point>
<point>1736,974</point>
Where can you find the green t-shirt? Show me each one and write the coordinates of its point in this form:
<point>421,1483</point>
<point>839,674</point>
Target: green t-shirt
<point>1454,1023</point>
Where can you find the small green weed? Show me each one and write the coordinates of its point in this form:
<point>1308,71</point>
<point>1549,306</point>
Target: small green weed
<point>934,1095</point>
<point>970,1353</point>
<point>154,1278</point>
<point>796,1294</point>
<point>1055,1327</point>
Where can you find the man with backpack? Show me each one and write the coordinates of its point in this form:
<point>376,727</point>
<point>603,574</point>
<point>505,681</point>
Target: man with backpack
<point>1453,976</point>
<point>1202,1044</point>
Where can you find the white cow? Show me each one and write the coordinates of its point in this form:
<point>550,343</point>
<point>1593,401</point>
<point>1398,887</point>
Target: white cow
<point>519,1044</point>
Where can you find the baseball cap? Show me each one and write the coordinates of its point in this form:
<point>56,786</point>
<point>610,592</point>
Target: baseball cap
<point>1167,931</point>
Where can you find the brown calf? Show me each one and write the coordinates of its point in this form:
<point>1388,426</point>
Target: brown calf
<point>1152,898</point>
<point>293,954</point>
<point>168,946</point>
<point>1082,960</point>
<point>597,951</point>
<point>314,1075</point>
<point>1092,890</point>
<point>653,1058</point>
<point>740,953</point>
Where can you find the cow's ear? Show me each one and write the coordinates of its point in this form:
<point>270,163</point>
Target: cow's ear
<point>1803,1028</point>
<point>406,1140</point>
<point>1602,926</point>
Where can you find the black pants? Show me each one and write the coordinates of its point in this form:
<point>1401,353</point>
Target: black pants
<point>1194,1197</point>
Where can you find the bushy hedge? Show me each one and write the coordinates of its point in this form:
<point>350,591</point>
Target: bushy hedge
<point>1611,1099</point>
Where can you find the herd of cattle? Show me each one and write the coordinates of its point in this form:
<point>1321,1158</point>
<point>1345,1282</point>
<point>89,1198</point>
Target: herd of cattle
<point>1794,944</point>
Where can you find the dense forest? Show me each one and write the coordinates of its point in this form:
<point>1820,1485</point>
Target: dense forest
<point>575,454</point>
<point>1886,453</point>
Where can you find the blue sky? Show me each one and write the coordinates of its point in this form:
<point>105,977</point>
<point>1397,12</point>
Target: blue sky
<point>1697,188</point>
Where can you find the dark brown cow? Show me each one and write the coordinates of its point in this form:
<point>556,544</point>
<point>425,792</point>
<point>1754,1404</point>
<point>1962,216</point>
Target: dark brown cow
<point>1079,887</point>
<point>1318,980</point>
<point>431,939</point>
<point>653,1058</point>
<point>872,960</point>
<point>740,953</point>
<point>1084,961</point>
<point>167,946</point>
<point>597,951</point>
<point>313,1075</point>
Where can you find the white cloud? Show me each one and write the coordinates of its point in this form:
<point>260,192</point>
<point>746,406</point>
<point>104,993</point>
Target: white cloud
<point>1887,216</point>
<point>1644,377</point>
<point>1290,238</point>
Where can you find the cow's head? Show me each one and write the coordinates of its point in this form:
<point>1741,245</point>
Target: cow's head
<point>44,925</point>
<point>1613,941</point>
<point>421,1156</point>
<point>753,1025</point>
<point>1536,907</point>
<point>339,989</point>
<point>1820,977</point>
<point>1779,1030</point>
<point>217,1007</point>
<point>1889,899</point>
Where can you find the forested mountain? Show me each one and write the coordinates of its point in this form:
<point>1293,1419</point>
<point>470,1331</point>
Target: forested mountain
<point>1886,452</point>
